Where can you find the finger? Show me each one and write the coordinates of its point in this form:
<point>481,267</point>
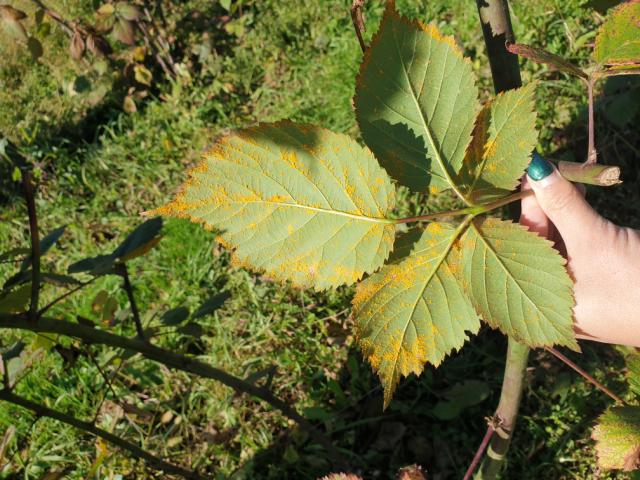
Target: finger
<point>563,203</point>
<point>532,215</point>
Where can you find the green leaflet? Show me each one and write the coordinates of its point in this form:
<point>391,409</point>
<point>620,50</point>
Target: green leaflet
<point>617,437</point>
<point>16,300</point>
<point>415,102</point>
<point>503,138</point>
<point>517,282</point>
<point>299,202</point>
<point>413,311</point>
<point>618,40</point>
<point>633,373</point>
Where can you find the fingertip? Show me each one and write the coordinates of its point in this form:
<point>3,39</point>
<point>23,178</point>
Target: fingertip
<point>532,215</point>
<point>545,182</point>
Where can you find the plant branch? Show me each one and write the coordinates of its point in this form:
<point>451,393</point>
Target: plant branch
<point>124,272</point>
<point>160,41</point>
<point>590,173</point>
<point>592,154</point>
<point>35,244</point>
<point>497,32</point>
<point>585,375</point>
<point>170,359</point>
<point>66,26</point>
<point>66,294</point>
<point>507,411</point>
<point>152,46</point>
<point>358,22</point>
<point>478,456</point>
<point>106,381</point>
<point>134,450</point>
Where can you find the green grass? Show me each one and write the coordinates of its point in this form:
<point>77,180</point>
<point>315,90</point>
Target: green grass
<point>102,168</point>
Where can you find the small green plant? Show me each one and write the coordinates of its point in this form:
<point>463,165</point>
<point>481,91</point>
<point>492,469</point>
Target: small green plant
<point>21,309</point>
<point>315,208</point>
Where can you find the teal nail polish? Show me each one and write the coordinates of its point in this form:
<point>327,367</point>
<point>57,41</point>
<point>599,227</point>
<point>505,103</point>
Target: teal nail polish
<point>539,168</point>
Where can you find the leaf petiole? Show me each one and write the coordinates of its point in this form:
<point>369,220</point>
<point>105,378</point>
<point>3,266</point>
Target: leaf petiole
<point>473,211</point>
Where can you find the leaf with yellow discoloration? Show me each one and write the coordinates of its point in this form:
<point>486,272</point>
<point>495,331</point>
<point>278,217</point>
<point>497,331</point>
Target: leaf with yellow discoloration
<point>617,437</point>
<point>299,202</point>
<point>414,311</point>
<point>618,40</point>
<point>517,282</point>
<point>415,101</point>
<point>503,139</point>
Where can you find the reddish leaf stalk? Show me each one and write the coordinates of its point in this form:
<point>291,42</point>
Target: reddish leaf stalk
<point>592,154</point>
<point>478,456</point>
<point>585,375</point>
<point>358,22</point>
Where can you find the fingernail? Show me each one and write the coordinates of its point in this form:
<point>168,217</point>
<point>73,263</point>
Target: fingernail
<point>539,168</point>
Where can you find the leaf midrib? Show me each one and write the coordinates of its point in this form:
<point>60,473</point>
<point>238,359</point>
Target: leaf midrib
<point>364,218</point>
<point>426,128</point>
<point>510,275</point>
<point>436,266</point>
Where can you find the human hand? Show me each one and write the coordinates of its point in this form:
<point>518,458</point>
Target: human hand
<point>603,258</point>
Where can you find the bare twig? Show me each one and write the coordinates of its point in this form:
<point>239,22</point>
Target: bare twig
<point>124,272</point>
<point>172,360</point>
<point>107,382</point>
<point>478,456</point>
<point>160,41</point>
<point>585,375</point>
<point>65,295</point>
<point>156,53</point>
<point>27,181</point>
<point>358,21</point>
<point>134,450</point>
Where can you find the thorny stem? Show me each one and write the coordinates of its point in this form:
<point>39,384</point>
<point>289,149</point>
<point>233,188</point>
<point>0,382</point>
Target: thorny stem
<point>27,181</point>
<point>592,154</point>
<point>124,272</point>
<point>172,360</point>
<point>358,21</point>
<point>585,375</point>
<point>134,450</point>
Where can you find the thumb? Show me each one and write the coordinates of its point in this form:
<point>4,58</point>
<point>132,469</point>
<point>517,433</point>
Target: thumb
<point>562,202</point>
